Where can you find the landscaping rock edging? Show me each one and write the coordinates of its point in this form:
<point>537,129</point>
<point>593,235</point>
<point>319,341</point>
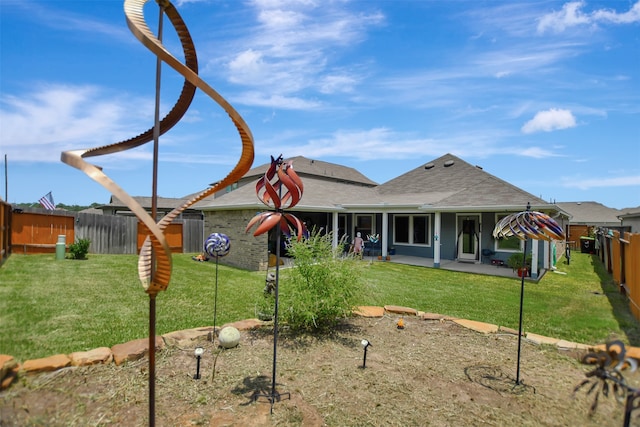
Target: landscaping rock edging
<point>10,369</point>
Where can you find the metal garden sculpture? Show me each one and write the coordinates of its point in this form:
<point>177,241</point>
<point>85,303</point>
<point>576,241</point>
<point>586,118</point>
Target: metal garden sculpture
<point>154,265</point>
<point>527,225</point>
<point>606,377</point>
<point>216,246</point>
<point>279,188</point>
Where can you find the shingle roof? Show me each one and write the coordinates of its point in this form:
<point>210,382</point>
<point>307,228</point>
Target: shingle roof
<point>309,167</point>
<point>162,202</point>
<point>319,195</point>
<point>450,181</point>
<point>590,213</point>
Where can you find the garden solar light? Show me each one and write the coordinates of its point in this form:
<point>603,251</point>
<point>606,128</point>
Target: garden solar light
<point>198,352</point>
<point>365,344</point>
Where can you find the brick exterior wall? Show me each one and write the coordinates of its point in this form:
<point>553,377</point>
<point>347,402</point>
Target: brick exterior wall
<point>247,252</point>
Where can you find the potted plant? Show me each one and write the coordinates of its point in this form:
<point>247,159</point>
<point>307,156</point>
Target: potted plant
<point>515,262</point>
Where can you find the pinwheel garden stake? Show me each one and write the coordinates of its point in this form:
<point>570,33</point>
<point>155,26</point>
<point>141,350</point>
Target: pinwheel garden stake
<point>217,245</point>
<point>527,225</point>
<point>279,188</point>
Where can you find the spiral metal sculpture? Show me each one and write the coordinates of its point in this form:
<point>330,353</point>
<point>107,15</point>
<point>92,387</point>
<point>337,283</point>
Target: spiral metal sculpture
<point>529,225</point>
<point>154,265</point>
<point>280,188</point>
<point>217,245</point>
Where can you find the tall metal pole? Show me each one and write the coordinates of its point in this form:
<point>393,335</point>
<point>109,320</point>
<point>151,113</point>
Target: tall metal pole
<point>524,257</point>
<point>275,318</point>
<point>154,214</point>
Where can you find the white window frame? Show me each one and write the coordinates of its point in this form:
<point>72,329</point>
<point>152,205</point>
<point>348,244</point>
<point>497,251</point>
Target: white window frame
<point>411,228</point>
<point>498,218</point>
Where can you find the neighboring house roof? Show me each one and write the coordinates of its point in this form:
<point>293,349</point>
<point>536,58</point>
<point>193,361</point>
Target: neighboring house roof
<point>162,202</point>
<point>94,211</point>
<point>629,213</point>
<point>447,183</point>
<point>591,213</point>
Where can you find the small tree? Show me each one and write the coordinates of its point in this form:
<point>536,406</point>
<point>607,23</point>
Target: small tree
<point>79,249</point>
<point>322,287</point>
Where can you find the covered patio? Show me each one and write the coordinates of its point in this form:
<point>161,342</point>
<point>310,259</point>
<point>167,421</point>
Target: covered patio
<point>464,267</point>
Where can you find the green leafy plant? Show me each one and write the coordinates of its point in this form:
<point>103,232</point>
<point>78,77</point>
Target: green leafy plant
<point>515,261</point>
<point>79,249</point>
<point>323,286</point>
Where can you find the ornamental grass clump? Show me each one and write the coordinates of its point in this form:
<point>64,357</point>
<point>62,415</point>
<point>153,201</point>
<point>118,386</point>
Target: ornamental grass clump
<point>323,286</point>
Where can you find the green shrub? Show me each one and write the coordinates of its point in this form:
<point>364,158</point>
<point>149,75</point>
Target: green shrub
<point>79,249</point>
<point>322,287</point>
<point>515,260</point>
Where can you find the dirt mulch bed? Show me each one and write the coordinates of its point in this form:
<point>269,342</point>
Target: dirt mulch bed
<point>429,373</point>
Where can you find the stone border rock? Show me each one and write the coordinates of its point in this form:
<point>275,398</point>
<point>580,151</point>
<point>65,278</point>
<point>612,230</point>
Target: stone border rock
<point>10,369</point>
<point>136,349</point>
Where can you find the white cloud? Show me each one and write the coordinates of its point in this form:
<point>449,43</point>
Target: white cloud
<point>38,126</point>
<point>572,15</point>
<point>600,182</point>
<point>549,120</point>
<point>295,47</point>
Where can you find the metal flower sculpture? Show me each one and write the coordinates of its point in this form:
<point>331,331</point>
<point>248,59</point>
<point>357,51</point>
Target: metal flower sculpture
<point>154,264</point>
<point>279,188</point>
<point>527,225</point>
<point>606,376</point>
<point>216,246</point>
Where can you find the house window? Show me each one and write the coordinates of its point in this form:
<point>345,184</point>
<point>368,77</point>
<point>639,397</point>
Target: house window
<point>411,229</point>
<point>364,224</point>
<point>507,244</point>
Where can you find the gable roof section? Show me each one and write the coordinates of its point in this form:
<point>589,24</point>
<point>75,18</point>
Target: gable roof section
<point>319,195</point>
<point>591,213</point>
<point>451,182</point>
<point>316,168</point>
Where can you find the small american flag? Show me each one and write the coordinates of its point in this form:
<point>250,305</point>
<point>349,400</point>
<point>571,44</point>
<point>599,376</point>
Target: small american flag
<point>47,202</point>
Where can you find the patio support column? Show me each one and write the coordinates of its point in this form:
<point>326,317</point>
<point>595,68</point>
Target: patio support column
<point>385,234</point>
<point>436,240</point>
<point>334,227</point>
<point>534,259</point>
<point>546,254</point>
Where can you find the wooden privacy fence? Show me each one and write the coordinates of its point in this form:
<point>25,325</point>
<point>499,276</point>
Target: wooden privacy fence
<point>37,232</point>
<point>621,257</point>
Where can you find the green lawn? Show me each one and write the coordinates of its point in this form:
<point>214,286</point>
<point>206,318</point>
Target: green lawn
<point>49,307</point>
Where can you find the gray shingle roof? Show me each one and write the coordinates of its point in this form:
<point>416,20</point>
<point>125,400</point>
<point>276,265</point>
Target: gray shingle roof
<point>319,195</point>
<point>309,167</point>
<point>450,181</point>
<point>591,213</point>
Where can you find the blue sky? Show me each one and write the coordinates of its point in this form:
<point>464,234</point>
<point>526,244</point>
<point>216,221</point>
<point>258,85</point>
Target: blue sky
<point>544,94</point>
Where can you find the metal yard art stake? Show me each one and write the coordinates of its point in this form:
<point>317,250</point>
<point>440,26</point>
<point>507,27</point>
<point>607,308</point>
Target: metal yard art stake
<point>154,264</point>
<point>279,188</point>
<point>527,225</point>
<point>217,245</point>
